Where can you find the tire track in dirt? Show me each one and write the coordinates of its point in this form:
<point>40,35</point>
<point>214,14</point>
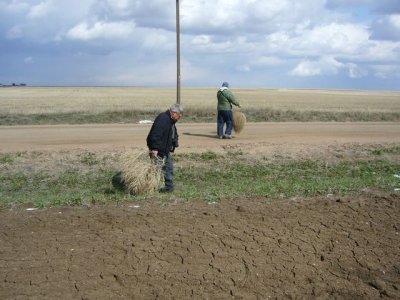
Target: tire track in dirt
<point>242,249</point>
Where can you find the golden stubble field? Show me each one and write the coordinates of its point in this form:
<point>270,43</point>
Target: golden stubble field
<point>47,100</point>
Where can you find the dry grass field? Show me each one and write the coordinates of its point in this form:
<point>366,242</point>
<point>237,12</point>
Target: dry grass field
<point>50,100</point>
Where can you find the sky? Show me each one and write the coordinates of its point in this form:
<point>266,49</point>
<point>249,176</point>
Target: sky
<point>337,44</point>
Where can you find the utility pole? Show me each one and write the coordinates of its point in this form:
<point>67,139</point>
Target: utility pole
<point>178,56</point>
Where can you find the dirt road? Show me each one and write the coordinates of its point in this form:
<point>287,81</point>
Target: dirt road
<point>196,137</point>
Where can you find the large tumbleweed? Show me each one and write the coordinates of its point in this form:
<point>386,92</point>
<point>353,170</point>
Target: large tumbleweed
<point>239,120</point>
<point>139,173</point>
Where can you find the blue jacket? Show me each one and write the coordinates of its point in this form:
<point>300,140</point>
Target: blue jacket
<point>163,135</point>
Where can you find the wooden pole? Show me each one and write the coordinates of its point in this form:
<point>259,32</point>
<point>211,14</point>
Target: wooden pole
<point>178,56</point>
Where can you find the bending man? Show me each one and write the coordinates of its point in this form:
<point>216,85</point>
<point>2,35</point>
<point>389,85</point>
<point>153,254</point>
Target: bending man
<point>163,139</point>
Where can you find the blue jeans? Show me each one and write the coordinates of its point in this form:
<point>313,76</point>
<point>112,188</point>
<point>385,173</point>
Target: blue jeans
<point>168,170</point>
<point>224,116</point>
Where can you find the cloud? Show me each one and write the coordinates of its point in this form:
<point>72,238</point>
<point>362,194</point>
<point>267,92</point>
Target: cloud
<point>382,6</point>
<point>327,66</point>
<point>243,68</point>
<point>41,10</point>
<point>324,66</point>
<point>15,32</point>
<point>14,7</point>
<point>355,71</point>
<point>350,42</point>
<point>158,41</point>
<point>332,38</point>
<point>268,61</point>
<point>276,41</point>
<point>156,14</point>
<point>386,71</point>
<point>221,16</point>
<point>101,30</point>
<point>386,28</point>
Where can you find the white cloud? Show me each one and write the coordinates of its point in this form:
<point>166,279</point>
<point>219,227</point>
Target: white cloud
<point>327,66</point>
<point>395,21</point>
<point>120,5</point>
<point>215,15</point>
<point>115,30</point>
<point>14,6</point>
<point>243,68</point>
<point>305,69</point>
<point>268,61</point>
<point>207,44</point>
<point>157,40</point>
<point>355,71</point>
<point>383,51</point>
<point>324,66</point>
<point>249,16</point>
<point>334,38</point>
<point>41,10</point>
<point>201,40</point>
<point>342,41</point>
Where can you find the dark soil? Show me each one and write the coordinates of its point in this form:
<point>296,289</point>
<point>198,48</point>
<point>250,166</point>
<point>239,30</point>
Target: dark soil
<point>320,248</point>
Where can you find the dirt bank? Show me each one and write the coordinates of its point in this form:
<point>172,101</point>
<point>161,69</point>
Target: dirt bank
<point>322,248</point>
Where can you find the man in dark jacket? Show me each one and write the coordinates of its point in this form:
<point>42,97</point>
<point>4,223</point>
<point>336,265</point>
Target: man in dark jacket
<point>163,139</point>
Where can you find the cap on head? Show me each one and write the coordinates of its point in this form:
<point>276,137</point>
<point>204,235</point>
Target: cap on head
<point>225,84</point>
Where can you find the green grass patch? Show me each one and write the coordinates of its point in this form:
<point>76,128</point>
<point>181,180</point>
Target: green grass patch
<point>302,178</point>
<point>70,187</point>
<point>209,176</point>
<point>389,150</point>
<point>6,158</point>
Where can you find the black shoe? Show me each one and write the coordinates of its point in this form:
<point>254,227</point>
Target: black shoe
<point>166,190</point>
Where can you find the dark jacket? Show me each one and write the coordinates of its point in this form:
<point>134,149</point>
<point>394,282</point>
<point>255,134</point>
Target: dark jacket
<point>161,137</point>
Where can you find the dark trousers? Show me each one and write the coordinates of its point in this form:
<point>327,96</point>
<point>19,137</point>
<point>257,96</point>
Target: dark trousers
<point>168,170</point>
<point>224,116</point>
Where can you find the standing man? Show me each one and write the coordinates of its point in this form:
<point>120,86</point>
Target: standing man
<point>163,139</point>
<point>225,100</point>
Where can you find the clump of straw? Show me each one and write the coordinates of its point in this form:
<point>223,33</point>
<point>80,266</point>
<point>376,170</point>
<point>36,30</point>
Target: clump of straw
<point>239,120</point>
<point>139,173</point>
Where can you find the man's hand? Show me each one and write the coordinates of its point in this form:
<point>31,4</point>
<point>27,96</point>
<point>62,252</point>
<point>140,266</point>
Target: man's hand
<point>154,153</point>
